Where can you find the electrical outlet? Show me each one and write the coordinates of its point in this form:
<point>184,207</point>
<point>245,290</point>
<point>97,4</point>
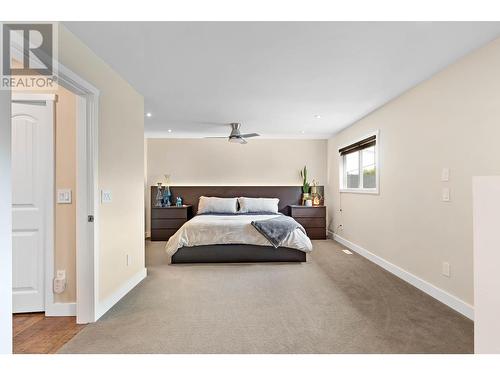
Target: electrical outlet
<point>340,227</point>
<point>59,284</point>
<point>446,269</point>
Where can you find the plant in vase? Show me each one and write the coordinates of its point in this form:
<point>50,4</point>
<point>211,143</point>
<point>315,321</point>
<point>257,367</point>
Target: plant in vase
<point>306,186</point>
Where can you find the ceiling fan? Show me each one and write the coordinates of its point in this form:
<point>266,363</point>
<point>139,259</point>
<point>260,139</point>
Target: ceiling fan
<point>236,136</point>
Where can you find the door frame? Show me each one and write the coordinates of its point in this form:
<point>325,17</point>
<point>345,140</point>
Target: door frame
<point>5,224</point>
<point>87,233</point>
<point>48,216</point>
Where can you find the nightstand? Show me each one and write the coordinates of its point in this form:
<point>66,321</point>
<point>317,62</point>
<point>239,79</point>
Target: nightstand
<point>165,221</point>
<point>313,219</point>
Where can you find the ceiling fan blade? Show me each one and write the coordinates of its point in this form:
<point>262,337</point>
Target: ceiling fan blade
<point>249,135</point>
<point>243,142</point>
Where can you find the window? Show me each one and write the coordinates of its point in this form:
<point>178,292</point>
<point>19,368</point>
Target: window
<point>359,167</point>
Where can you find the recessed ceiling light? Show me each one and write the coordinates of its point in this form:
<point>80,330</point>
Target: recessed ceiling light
<point>149,114</point>
<point>317,116</point>
<point>169,130</point>
<point>302,131</point>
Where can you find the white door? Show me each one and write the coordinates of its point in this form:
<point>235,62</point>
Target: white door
<point>32,200</point>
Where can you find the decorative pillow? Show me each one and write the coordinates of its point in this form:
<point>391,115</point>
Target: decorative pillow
<point>258,204</point>
<point>208,205</point>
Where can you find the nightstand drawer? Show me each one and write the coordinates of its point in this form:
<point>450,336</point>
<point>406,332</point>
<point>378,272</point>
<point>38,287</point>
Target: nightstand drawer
<point>311,222</point>
<point>316,233</point>
<point>308,211</point>
<point>162,234</point>
<point>169,213</point>
<point>167,223</point>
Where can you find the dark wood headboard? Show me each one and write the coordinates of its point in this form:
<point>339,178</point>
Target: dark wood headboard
<point>288,195</point>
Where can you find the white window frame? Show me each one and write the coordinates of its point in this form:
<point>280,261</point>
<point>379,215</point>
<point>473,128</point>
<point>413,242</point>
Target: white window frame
<point>342,171</point>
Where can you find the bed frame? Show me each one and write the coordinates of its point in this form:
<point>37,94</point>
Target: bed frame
<point>288,195</point>
<point>236,254</point>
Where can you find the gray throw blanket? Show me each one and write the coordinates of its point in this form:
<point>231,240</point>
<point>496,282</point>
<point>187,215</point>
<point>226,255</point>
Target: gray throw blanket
<point>275,230</point>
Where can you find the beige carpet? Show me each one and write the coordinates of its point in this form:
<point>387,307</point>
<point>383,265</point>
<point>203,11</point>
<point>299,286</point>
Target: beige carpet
<point>334,303</point>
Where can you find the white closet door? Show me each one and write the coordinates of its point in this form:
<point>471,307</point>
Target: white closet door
<point>32,155</point>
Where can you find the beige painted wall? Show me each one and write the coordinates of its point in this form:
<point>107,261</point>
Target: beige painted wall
<point>65,170</point>
<point>121,164</point>
<point>146,189</point>
<point>452,120</point>
<point>218,162</point>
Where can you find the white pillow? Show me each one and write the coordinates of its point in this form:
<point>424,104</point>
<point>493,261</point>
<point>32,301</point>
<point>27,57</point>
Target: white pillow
<point>217,205</point>
<point>258,204</point>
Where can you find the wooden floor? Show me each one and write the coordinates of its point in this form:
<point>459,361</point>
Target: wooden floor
<point>34,333</point>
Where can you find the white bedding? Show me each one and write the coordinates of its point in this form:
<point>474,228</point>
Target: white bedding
<point>229,229</point>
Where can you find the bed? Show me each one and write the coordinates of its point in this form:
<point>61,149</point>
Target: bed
<point>236,240</point>
<point>233,238</point>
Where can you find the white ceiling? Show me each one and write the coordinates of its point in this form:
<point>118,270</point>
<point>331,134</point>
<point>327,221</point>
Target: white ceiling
<point>274,77</point>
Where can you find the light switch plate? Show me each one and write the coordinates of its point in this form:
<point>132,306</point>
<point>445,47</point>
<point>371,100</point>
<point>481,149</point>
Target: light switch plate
<point>106,196</point>
<point>445,194</point>
<point>64,196</point>
<point>445,174</point>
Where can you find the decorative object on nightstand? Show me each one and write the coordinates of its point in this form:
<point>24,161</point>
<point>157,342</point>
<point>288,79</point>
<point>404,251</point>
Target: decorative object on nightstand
<point>305,185</point>
<point>159,196</point>
<point>313,219</point>
<point>166,193</point>
<point>178,202</point>
<point>315,195</point>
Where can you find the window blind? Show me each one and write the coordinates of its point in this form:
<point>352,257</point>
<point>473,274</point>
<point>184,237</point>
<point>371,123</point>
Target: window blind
<point>365,143</point>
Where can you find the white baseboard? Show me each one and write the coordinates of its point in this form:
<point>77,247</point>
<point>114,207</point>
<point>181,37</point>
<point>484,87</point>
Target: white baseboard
<point>330,234</point>
<point>61,309</point>
<point>432,290</point>
<point>130,284</point>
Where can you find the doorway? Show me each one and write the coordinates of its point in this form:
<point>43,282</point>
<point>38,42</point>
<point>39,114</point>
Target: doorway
<point>34,268</point>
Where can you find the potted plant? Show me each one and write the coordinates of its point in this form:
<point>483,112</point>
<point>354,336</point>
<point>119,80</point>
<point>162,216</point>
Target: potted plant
<point>306,186</point>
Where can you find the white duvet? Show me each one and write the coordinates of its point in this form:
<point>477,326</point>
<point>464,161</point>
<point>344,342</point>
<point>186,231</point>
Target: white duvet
<point>230,229</point>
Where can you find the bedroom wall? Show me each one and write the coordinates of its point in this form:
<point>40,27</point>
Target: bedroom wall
<point>65,171</point>
<point>451,120</point>
<point>121,166</point>
<point>218,162</point>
